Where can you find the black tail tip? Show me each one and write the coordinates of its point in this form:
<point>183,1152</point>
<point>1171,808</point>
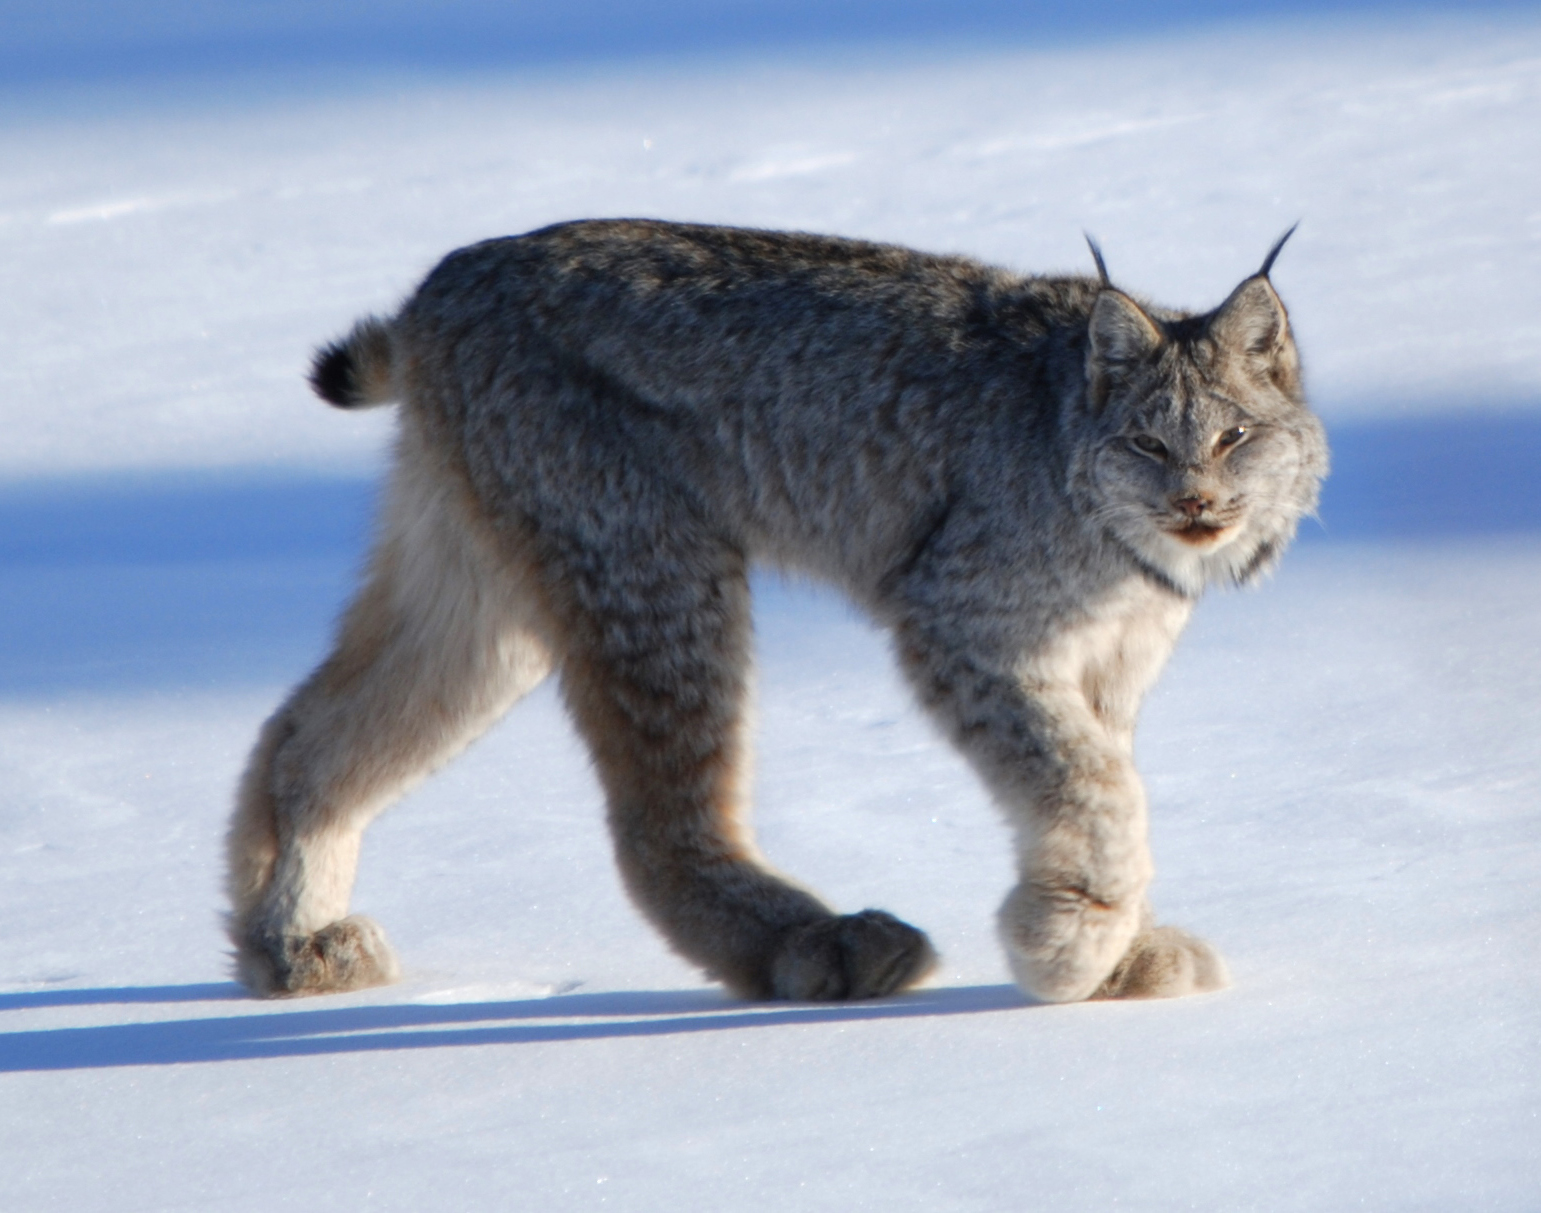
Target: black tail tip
<point>333,376</point>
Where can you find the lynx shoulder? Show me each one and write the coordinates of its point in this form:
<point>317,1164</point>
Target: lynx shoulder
<point>604,425</point>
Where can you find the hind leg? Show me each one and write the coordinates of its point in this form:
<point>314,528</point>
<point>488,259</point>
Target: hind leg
<point>656,667</point>
<point>440,641</point>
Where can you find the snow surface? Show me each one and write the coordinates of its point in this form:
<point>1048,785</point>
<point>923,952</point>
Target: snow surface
<point>1344,766</point>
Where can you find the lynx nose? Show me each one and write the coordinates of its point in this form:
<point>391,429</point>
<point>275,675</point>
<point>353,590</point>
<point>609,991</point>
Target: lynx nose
<point>1192,504</point>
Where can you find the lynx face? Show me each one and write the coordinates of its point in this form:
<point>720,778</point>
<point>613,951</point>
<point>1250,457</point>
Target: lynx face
<point>1208,454</point>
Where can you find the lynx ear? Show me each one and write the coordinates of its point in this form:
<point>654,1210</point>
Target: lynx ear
<point>1121,333</point>
<point>1253,324</point>
<point>1120,337</point>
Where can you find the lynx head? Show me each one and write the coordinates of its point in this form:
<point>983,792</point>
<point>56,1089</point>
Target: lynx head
<point>1206,454</point>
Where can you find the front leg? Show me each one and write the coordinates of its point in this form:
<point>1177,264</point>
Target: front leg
<point>1046,717</point>
<point>1164,962</point>
<point>656,673</point>
<point>1060,939</point>
<point>1083,859</point>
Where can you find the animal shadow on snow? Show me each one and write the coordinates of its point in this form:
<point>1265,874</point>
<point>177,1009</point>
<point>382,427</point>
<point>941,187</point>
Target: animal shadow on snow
<point>370,1029</point>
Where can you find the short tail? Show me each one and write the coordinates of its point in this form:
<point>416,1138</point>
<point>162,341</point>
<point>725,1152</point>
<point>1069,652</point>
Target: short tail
<point>360,370</point>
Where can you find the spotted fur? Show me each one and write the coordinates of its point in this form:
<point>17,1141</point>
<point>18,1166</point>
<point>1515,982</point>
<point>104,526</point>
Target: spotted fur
<point>604,425</point>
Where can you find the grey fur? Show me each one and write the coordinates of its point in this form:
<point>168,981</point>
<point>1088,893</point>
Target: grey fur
<point>1026,480</point>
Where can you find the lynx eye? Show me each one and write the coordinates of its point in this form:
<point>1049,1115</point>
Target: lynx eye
<point>1149,444</point>
<point>1231,437</point>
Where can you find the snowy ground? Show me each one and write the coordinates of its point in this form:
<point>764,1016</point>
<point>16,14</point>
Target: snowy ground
<point>1344,766</point>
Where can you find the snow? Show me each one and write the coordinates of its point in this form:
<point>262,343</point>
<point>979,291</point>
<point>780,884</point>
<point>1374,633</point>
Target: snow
<point>1343,766</point>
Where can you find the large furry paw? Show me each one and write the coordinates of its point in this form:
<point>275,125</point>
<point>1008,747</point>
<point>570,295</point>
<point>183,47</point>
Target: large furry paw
<point>1165,962</point>
<point>350,954</point>
<point>1061,943</point>
<point>864,955</point>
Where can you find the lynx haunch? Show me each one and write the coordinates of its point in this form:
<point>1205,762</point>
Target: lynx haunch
<point>603,425</point>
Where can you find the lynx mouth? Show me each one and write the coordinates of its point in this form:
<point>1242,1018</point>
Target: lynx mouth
<point>1201,534</point>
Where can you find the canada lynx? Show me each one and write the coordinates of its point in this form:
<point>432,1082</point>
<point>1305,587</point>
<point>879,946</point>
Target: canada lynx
<point>1026,480</point>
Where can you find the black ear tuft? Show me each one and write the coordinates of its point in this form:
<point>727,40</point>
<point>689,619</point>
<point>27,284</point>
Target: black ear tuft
<point>1102,266</point>
<point>1274,252</point>
<point>334,376</point>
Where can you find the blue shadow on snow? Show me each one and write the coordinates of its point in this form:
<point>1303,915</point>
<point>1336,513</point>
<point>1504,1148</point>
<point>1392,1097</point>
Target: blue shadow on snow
<point>565,1017</point>
<point>185,580</point>
<point>73,40</point>
<point>1440,476</point>
<point>214,580</point>
<point>209,991</point>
